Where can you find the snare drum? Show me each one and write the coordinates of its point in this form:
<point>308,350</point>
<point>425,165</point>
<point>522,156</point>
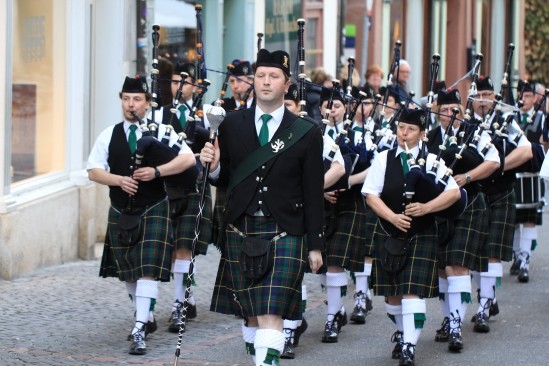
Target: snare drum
<point>529,190</point>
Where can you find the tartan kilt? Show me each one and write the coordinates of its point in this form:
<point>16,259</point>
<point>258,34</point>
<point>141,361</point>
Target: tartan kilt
<point>345,248</point>
<point>279,292</point>
<point>529,215</point>
<point>419,276</point>
<point>501,225</point>
<point>467,248</point>
<point>370,222</point>
<point>150,257</point>
<point>218,212</point>
<point>184,224</point>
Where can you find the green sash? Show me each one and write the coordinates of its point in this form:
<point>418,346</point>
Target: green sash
<point>259,157</point>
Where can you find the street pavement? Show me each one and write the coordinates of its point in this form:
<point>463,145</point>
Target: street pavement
<point>67,315</point>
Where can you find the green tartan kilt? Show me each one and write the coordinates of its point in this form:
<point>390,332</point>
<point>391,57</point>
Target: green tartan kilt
<point>467,248</point>
<point>150,257</point>
<point>345,248</point>
<point>218,211</point>
<point>419,276</point>
<point>184,225</point>
<point>370,221</point>
<point>501,225</point>
<point>279,292</point>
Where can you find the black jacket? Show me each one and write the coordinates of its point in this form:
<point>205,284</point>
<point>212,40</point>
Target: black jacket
<point>292,184</point>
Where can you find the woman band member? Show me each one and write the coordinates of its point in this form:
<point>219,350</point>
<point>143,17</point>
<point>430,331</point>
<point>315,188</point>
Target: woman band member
<point>406,288</point>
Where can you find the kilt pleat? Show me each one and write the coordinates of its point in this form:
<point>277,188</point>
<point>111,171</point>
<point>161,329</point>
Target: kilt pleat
<point>184,225</point>
<point>345,248</point>
<point>468,248</point>
<point>419,276</point>
<point>279,292</point>
<point>150,257</point>
<point>501,225</point>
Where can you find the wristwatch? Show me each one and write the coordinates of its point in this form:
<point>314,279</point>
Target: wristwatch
<point>156,172</point>
<point>467,178</point>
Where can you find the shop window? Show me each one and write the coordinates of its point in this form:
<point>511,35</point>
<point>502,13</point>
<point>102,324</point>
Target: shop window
<point>38,120</point>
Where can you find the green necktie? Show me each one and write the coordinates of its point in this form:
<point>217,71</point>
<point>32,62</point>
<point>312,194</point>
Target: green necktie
<point>404,159</point>
<point>331,133</point>
<point>524,120</point>
<point>132,138</point>
<point>264,131</point>
<point>358,128</point>
<point>384,124</point>
<point>182,116</point>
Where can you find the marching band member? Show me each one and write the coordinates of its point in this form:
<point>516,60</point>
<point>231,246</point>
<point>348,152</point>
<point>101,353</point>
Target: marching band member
<point>465,249</point>
<point>147,260</point>
<point>293,329</point>
<point>241,83</point>
<point>283,214</point>
<point>525,239</point>
<point>401,224</point>
<point>500,197</point>
<point>184,202</point>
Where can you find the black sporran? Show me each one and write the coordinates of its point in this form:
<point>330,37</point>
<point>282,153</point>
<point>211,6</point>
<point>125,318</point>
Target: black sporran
<point>445,230</point>
<point>129,228</point>
<point>256,257</point>
<point>393,254</point>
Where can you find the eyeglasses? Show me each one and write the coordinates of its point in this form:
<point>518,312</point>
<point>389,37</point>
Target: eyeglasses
<point>485,95</point>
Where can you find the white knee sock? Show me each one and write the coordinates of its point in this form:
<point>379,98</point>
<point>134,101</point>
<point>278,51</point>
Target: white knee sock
<point>248,334</point>
<point>443,296</point>
<point>395,314</point>
<point>361,286</point>
<point>529,234</point>
<point>459,294</point>
<point>288,326</point>
<point>265,340</point>
<point>145,291</point>
<point>180,271</point>
<point>413,311</point>
<point>488,282</point>
<point>334,282</point>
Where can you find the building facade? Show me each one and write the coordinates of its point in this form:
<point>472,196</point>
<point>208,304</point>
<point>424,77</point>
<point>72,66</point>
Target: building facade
<point>64,61</point>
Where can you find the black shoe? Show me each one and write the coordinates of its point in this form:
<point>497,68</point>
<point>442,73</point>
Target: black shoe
<point>408,355</point>
<point>481,323</point>
<point>369,304</point>
<point>443,334</point>
<point>330,332</point>
<point>340,320</point>
<point>359,315</point>
<point>455,343</point>
<point>138,346</point>
<point>175,322</point>
<point>514,270</point>
<point>191,311</point>
<point>494,309</point>
<point>288,351</point>
<point>523,275</point>
<point>397,351</point>
<point>299,331</point>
